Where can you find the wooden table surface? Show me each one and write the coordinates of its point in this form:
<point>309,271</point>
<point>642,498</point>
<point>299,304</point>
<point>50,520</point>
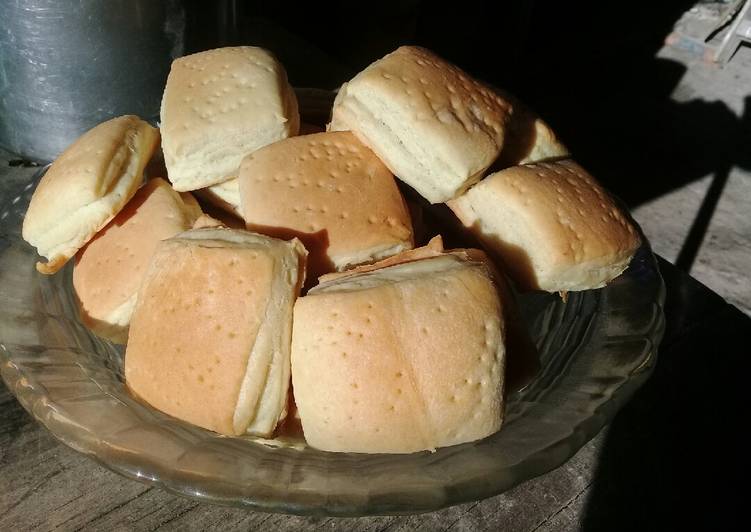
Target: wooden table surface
<point>670,457</point>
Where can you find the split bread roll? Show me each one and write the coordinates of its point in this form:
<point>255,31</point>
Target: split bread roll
<point>332,193</point>
<point>220,105</point>
<point>434,126</point>
<point>209,340</point>
<point>401,358</point>
<point>551,224</point>
<point>109,269</point>
<point>86,187</point>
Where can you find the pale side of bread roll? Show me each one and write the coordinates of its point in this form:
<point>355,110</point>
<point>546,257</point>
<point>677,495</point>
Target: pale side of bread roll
<point>434,126</point>
<point>331,192</point>
<point>553,226</point>
<point>109,269</point>
<point>86,187</point>
<point>209,340</point>
<point>225,196</point>
<point>404,358</point>
<point>530,139</point>
<point>220,105</point>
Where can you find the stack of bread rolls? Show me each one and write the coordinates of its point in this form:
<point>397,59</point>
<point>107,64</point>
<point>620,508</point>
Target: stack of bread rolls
<point>387,348</point>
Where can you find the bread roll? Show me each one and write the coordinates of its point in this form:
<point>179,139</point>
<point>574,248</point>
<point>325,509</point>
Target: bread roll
<point>402,358</point>
<point>109,269</point>
<point>553,226</point>
<point>434,126</point>
<point>331,192</point>
<point>209,340</point>
<point>217,107</point>
<point>522,361</point>
<point>86,187</point>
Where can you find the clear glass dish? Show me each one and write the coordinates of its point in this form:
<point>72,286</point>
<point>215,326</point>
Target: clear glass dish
<point>595,350</point>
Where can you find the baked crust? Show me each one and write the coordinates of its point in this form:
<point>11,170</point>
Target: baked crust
<point>220,105</point>
<point>434,126</point>
<point>86,186</point>
<point>551,224</point>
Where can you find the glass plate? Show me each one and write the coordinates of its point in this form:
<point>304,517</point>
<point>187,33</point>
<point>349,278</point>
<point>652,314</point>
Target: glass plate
<point>595,350</point>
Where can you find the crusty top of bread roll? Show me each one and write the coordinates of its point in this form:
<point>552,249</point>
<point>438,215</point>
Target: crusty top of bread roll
<point>433,125</point>
<point>400,359</point>
<point>210,335</point>
<point>109,269</point>
<point>220,105</point>
<point>521,353</point>
<point>86,187</point>
<point>330,191</point>
<point>554,227</point>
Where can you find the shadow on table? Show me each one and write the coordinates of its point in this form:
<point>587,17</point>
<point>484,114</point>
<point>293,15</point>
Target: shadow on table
<point>737,137</point>
<point>675,455</point>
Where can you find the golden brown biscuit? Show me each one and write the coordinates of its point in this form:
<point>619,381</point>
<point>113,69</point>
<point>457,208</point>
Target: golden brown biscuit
<point>331,192</point>
<point>553,226</point>
<point>220,105</point>
<point>86,187</point>
<point>109,269</point>
<point>209,340</point>
<point>403,358</point>
<point>434,126</point>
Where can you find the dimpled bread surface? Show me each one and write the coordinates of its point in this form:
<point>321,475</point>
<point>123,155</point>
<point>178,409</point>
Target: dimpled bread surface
<point>408,364</point>
<point>554,227</point>
<point>434,126</point>
<point>203,349</point>
<point>109,270</point>
<point>220,105</point>
<point>331,192</point>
